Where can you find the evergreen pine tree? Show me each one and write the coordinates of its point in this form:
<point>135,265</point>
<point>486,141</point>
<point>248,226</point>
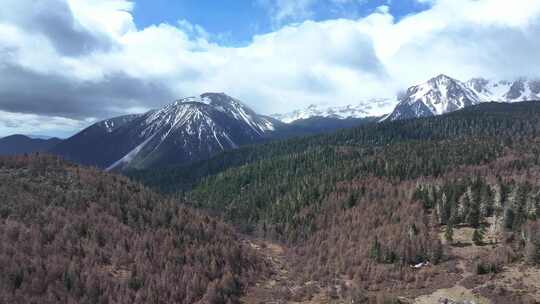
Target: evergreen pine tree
<point>536,258</point>
<point>449,233</point>
<point>473,218</point>
<point>375,251</point>
<point>478,236</point>
<point>508,218</point>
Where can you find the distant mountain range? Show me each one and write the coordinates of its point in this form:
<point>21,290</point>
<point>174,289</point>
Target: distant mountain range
<point>444,94</point>
<point>20,144</point>
<point>368,108</point>
<point>196,128</point>
<point>188,130</point>
<point>439,95</point>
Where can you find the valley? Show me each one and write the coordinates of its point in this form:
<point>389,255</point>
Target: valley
<point>269,152</point>
<point>352,212</point>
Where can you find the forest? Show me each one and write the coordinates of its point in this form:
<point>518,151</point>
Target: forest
<point>70,234</point>
<point>375,214</point>
<point>360,206</point>
<point>485,121</point>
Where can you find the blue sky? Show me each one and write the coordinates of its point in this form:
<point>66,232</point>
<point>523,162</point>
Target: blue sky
<point>235,22</point>
<point>103,58</point>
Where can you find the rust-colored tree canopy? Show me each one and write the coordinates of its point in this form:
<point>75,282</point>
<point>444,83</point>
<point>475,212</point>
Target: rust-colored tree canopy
<point>70,234</point>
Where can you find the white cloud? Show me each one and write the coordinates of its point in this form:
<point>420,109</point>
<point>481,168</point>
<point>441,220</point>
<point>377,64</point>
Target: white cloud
<point>111,16</point>
<point>464,38</point>
<point>331,62</point>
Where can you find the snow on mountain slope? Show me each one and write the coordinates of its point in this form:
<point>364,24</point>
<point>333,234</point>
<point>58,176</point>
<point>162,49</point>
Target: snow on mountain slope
<point>369,108</point>
<point>443,94</point>
<point>130,156</point>
<point>238,110</point>
<point>439,95</point>
<point>112,124</point>
<point>187,130</point>
<point>194,128</point>
<point>505,91</point>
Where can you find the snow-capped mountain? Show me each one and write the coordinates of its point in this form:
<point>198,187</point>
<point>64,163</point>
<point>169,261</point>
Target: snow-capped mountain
<point>437,96</point>
<point>187,130</point>
<point>369,108</point>
<point>444,94</point>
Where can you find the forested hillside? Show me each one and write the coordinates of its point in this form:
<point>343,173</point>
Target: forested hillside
<point>69,234</point>
<point>357,208</point>
<point>482,121</point>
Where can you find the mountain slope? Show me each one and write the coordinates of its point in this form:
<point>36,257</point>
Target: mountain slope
<point>480,121</point>
<point>444,94</point>
<point>70,234</point>
<point>94,145</point>
<point>505,91</point>
<point>20,144</point>
<point>188,130</point>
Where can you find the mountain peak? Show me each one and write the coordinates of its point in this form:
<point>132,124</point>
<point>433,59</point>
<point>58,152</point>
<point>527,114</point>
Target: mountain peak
<point>17,136</point>
<point>218,97</point>
<point>441,94</point>
<point>443,76</point>
<point>192,99</point>
<point>441,79</point>
<point>215,94</point>
<point>187,130</point>
<point>219,100</point>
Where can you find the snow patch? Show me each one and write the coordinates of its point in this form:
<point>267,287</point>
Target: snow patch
<point>130,156</point>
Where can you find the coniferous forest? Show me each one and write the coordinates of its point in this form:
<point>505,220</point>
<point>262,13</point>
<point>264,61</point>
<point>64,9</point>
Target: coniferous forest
<point>383,213</point>
<point>358,207</point>
<point>69,234</point>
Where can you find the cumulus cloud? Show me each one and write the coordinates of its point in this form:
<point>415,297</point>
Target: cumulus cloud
<point>54,20</point>
<point>25,91</point>
<point>76,61</point>
<point>464,38</point>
